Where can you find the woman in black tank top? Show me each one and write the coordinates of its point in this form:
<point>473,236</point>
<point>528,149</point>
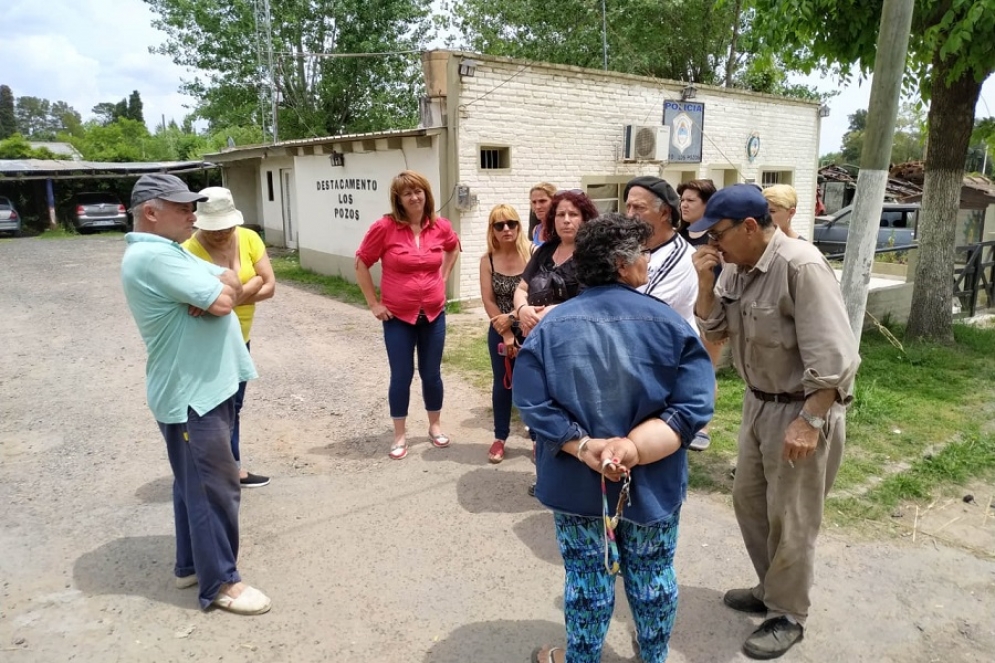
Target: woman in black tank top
<point>500,271</point>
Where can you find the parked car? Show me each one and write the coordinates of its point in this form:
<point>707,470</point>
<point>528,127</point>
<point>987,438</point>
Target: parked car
<point>10,220</point>
<point>97,211</point>
<point>898,227</point>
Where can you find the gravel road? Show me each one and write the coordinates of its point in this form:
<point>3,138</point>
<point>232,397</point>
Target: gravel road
<point>439,558</point>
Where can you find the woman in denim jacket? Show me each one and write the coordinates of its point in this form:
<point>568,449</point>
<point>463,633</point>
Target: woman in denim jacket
<point>614,381</point>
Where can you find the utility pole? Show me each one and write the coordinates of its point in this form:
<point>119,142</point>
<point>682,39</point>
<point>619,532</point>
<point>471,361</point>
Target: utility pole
<point>264,68</point>
<point>889,67</point>
<point>604,33</point>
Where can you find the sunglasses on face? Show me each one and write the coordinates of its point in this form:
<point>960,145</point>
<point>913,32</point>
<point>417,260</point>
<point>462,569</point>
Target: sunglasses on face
<point>505,225</point>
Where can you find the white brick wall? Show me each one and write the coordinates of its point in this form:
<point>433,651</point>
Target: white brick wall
<point>565,123</point>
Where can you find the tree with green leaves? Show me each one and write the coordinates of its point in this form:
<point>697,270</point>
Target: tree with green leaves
<point>319,93</point>
<point>950,56</point>
<point>674,39</point>
<point>40,119</point>
<point>17,146</point>
<point>135,107</point>
<point>908,144</point>
<point>8,119</point>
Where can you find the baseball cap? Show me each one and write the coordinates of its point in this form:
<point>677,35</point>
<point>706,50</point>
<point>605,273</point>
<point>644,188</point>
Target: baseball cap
<point>733,202</point>
<point>662,190</point>
<point>163,186</point>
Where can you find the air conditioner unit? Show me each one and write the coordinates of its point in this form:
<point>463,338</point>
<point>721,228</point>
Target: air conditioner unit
<point>645,143</point>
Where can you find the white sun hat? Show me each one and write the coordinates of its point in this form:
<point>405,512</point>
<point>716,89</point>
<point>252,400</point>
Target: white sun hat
<point>218,211</point>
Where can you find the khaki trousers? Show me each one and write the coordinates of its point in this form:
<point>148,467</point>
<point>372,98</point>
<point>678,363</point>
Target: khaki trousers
<point>779,507</point>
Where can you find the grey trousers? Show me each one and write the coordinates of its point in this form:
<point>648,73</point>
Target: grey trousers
<point>779,507</point>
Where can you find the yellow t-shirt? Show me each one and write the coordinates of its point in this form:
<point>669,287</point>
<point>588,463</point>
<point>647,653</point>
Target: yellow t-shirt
<point>250,251</point>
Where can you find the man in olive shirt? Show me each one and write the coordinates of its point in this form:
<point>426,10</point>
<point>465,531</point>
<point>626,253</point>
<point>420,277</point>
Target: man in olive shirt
<point>778,302</point>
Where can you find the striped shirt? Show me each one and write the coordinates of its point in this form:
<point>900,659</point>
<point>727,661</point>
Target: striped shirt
<point>672,279</point>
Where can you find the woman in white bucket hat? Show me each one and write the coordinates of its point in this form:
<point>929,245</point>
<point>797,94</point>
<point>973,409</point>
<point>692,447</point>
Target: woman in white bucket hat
<point>223,240</point>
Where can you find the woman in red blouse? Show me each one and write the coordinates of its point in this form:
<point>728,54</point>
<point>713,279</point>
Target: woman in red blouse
<point>417,251</point>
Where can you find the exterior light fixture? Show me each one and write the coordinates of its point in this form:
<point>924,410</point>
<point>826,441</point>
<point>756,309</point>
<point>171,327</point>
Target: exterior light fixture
<point>689,92</point>
<point>824,110</point>
<point>467,68</point>
<point>337,158</point>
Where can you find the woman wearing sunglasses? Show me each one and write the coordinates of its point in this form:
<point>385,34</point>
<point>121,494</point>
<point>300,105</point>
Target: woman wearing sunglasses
<point>220,238</point>
<point>500,271</point>
<point>614,384</point>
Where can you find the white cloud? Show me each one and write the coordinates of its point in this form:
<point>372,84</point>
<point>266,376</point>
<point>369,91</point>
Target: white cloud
<point>857,96</point>
<point>84,52</point>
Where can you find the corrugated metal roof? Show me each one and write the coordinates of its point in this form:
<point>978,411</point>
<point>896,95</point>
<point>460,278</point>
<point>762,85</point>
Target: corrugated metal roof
<point>61,149</point>
<point>59,169</point>
<point>226,153</point>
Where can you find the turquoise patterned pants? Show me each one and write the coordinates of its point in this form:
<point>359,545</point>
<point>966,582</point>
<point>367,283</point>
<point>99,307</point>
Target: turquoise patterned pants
<point>646,555</point>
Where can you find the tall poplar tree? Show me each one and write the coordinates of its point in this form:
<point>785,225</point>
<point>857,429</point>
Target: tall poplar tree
<point>319,93</point>
<point>8,119</point>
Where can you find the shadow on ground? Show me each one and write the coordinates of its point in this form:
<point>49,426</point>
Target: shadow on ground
<point>538,534</point>
<point>157,491</point>
<point>490,490</point>
<point>502,641</point>
<point>133,566</point>
<point>364,447</point>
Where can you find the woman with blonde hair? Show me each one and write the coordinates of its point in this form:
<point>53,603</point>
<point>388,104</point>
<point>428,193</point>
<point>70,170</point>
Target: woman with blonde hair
<point>540,198</point>
<point>417,250</point>
<point>782,200</point>
<point>500,271</point>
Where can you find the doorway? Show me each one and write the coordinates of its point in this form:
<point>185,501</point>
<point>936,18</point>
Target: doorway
<point>287,204</point>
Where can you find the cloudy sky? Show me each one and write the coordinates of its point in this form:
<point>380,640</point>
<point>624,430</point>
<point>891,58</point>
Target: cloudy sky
<point>88,51</point>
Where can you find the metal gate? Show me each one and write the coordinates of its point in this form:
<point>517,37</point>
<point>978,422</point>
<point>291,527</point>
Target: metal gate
<point>974,276</point>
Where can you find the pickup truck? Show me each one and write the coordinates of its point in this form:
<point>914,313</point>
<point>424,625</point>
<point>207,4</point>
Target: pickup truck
<point>898,227</point>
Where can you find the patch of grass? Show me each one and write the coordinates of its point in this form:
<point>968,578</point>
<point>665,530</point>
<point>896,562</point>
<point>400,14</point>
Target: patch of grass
<point>466,351</point>
<point>59,232</point>
<point>916,427</point>
<point>288,268</point>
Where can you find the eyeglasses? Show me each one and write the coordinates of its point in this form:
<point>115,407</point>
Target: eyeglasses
<point>505,225</point>
<point>716,236</point>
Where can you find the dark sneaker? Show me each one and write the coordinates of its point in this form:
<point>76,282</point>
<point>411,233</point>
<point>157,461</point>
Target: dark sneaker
<point>773,638</point>
<point>254,481</point>
<point>701,441</point>
<point>743,600</point>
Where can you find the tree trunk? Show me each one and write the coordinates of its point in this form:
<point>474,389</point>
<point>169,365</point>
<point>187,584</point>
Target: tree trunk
<point>731,62</point>
<point>951,120</point>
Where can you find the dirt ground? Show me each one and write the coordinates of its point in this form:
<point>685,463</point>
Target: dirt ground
<point>440,558</point>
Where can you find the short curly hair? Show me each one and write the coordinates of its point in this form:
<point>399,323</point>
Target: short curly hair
<point>605,244</point>
<point>579,199</point>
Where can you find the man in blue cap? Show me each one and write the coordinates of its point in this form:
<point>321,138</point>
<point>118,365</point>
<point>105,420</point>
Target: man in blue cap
<point>778,302</point>
<point>196,358</point>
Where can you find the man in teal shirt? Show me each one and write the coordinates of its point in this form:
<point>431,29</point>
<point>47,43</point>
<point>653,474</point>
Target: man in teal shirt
<point>196,358</point>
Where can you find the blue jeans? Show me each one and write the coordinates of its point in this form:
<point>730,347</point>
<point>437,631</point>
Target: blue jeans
<point>239,399</point>
<point>500,395</point>
<point>646,557</point>
<point>206,496</point>
<point>403,340</point>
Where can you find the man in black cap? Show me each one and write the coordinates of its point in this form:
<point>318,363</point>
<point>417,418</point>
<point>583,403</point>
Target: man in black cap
<point>196,359</point>
<point>671,275</point>
<point>778,303</point>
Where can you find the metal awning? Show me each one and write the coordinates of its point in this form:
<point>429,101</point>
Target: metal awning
<point>58,169</point>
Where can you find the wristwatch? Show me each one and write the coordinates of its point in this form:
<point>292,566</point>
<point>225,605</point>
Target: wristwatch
<point>815,422</point>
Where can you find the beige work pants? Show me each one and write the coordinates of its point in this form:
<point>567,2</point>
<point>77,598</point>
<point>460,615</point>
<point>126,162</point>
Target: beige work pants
<point>779,507</point>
